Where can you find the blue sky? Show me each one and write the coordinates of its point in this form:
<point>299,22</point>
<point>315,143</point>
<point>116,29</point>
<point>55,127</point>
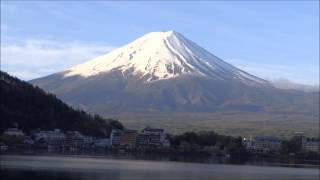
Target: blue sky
<point>269,39</point>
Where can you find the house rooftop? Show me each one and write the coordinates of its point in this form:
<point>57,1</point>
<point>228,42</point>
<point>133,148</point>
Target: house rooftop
<point>153,129</point>
<point>267,138</point>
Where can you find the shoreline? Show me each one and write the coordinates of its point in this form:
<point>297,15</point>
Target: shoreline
<point>160,157</point>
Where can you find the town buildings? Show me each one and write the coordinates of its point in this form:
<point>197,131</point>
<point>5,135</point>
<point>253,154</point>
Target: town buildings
<point>128,138</point>
<point>310,145</point>
<point>74,140</point>
<point>133,139</point>
<point>64,140</point>
<point>55,137</point>
<point>262,144</point>
<point>102,143</point>
<point>14,132</point>
<point>147,138</point>
<point>3,147</point>
<point>248,143</point>
<point>115,137</point>
<point>151,137</point>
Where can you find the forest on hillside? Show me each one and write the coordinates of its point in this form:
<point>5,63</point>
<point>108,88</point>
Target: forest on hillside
<point>28,107</point>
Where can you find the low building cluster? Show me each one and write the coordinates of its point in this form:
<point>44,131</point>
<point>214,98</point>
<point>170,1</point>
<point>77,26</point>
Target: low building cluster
<point>310,145</point>
<point>269,144</point>
<point>68,140</point>
<point>71,140</point>
<point>14,132</point>
<point>262,144</point>
<point>147,138</point>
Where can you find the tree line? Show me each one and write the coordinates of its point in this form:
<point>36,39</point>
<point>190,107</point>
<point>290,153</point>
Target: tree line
<point>193,140</point>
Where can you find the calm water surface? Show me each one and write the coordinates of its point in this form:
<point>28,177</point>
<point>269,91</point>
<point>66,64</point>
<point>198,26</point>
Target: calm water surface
<point>98,168</point>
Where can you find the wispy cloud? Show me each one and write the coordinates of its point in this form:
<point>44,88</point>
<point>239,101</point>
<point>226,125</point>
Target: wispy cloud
<point>287,84</point>
<point>4,27</point>
<point>32,58</point>
<point>306,74</point>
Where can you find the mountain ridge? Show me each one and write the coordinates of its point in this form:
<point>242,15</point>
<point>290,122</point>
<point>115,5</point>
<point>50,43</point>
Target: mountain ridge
<point>120,81</point>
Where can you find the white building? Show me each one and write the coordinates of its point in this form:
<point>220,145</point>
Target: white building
<point>14,132</point>
<point>77,139</point>
<point>3,147</point>
<point>248,143</point>
<point>152,137</point>
<point>115,137</point>
<point>51,137</point>
<point>103,143</point>
<point>262,144</point>
<point>310,145</point>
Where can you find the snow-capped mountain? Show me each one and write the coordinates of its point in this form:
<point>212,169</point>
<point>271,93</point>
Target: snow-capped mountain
<point>162,55</point>
<point>164,71</point>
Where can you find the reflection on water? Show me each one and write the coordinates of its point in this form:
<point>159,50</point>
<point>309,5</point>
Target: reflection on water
<point>259,161</point>
<point>54,168</point>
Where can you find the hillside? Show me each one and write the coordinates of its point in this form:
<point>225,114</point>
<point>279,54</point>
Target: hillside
<point>164,75</point>
<point>29,108</point>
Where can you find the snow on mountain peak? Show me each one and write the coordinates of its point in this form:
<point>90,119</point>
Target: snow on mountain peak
<point>162,55</point>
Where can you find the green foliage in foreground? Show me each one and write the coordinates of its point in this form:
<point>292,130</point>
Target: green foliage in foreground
<point>29,108</point>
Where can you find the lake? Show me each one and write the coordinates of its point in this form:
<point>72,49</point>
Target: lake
<point>14,167</point>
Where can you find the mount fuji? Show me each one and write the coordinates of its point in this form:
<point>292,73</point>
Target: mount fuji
<point>166,72</point>
<point>160,56</point>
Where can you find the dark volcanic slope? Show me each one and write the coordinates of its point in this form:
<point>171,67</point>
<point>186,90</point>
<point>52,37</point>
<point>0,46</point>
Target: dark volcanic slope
<point>112,93</point>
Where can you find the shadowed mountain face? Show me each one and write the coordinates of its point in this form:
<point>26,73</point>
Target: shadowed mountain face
<point>166,72</point>
<point>112,93</point>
